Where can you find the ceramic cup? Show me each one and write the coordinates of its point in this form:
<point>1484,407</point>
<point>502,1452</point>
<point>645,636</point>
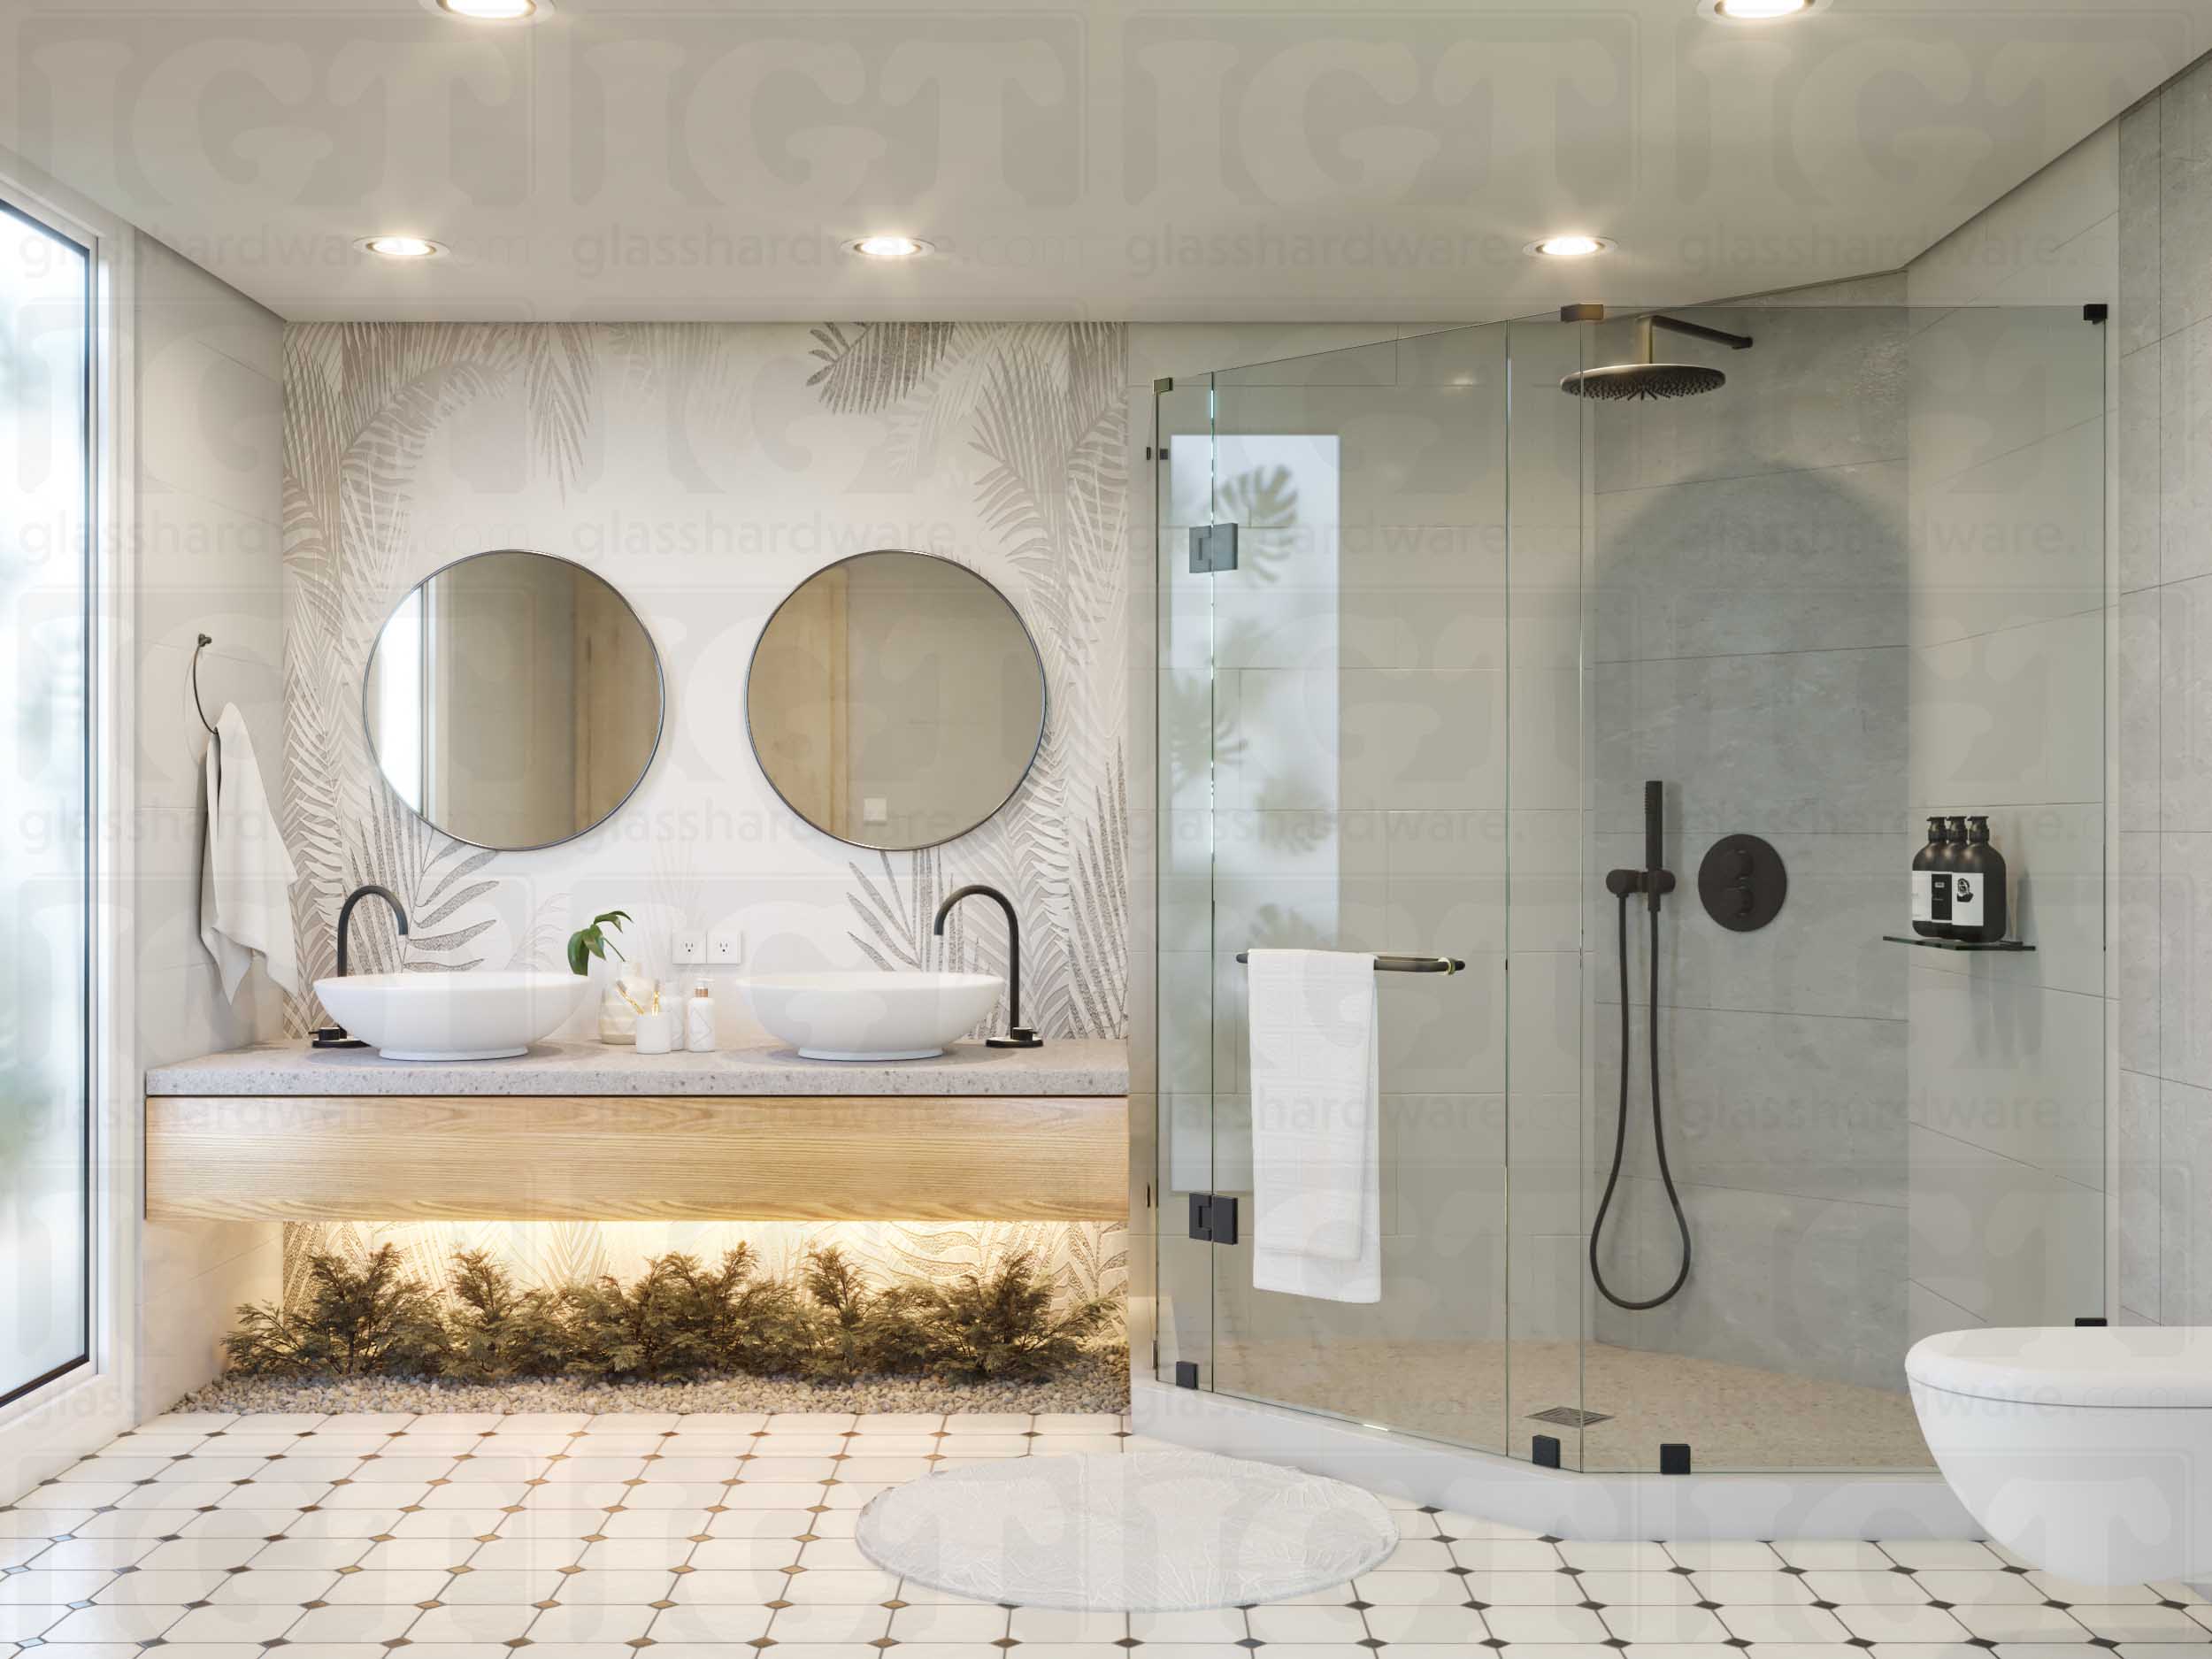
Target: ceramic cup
<point>657,1033</point>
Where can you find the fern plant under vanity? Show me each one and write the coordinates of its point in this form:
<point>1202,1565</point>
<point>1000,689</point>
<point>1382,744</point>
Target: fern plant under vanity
<point>679,1320</point>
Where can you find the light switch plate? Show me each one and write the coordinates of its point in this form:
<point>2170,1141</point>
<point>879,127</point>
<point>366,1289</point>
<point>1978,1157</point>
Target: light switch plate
<point>725,947</point>
<point>690,948</point>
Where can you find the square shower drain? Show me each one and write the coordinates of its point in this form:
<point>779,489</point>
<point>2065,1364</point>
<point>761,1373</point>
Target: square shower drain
<point>1569,1416</point>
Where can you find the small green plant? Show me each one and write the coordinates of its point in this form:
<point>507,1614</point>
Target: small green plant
<point>587,942</point>
<point>365,1320</point>
<point>495,1331</point>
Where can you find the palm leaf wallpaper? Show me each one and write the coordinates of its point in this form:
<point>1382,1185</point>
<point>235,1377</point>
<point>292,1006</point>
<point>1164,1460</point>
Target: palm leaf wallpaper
<point>705,470</point>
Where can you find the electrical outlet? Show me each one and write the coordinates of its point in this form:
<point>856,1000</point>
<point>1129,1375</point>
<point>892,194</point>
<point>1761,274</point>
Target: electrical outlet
<point>690,948</point>
<point>725,947</point>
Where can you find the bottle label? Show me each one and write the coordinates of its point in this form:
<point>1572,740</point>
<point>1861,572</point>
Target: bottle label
<point>1939,896</point>
<point>1922,895</point>
<point>1966,900</point>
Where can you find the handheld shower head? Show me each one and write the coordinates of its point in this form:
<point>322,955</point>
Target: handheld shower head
<point>1618,383</point>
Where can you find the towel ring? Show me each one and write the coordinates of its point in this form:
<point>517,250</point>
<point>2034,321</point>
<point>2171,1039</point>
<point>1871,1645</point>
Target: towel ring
<point>198,707</point>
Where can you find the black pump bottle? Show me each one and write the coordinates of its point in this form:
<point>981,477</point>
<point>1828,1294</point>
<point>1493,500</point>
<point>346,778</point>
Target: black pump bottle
<point>1923,866</point>
<point>1978,886</point>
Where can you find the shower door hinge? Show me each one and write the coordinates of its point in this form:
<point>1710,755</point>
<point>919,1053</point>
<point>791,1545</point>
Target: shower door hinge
<point>1187,1373</point>
<point>1213,549</point>
<point>1213,1218</point>
<point>2095,312</point>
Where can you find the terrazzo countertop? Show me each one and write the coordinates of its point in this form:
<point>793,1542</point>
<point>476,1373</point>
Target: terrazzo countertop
<point>1069,1066</point>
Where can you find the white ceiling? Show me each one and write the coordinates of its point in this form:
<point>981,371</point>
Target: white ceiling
<point>705,158</point>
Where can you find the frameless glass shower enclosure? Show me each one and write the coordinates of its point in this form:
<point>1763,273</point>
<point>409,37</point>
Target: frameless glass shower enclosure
<point>1473,649</point>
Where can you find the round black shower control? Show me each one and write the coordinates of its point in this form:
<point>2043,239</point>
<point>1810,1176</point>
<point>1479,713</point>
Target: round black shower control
<point>1742,883</point>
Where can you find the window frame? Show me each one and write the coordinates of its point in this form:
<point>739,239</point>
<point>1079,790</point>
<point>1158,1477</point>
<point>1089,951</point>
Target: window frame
<point>49,1423</point>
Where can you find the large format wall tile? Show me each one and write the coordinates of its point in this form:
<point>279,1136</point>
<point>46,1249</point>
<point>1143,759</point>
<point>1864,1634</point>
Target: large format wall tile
<point>1820,387</point>
<point>2010,1243</point>
<point>2185,958</point>
<point>2015,540</point>
<point>1808,1286</point>
<point>2011,718</point>
<point>1808,741</point>
<point>2184,227</point>
<point>1823,955</point>
<point>2185,439</point>
<point>2137,1108</point>
<point>1800,1105</point>
<point>2015,1070</point>
<point>2141,693</point>
<point>2184,666</point>
<point>1811,559</point>
<point>2184,1204</point>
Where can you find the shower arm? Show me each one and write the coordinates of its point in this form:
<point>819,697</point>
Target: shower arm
<point>1696,330</point>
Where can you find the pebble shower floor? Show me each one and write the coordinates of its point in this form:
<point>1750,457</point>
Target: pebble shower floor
<point>210,1536</point>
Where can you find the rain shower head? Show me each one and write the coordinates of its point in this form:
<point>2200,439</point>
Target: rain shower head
<point>1623,381</point>
<point>1618,383</point>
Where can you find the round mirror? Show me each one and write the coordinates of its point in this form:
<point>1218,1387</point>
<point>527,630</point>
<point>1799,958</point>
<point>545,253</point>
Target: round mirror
<point>896,700</point>
<point>513,700</point>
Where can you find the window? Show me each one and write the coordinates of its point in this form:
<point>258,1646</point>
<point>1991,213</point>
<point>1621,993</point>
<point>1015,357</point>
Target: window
<point>46,537</point>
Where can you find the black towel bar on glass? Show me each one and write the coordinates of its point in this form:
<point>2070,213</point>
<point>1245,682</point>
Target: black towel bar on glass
<point>1392,964</point>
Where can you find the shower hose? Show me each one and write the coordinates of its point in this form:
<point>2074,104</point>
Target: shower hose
<point>1620,1130</point>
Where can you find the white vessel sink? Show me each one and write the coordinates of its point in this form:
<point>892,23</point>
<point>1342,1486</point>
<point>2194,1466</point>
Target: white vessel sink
<point>870,1016</point>
<point>453,1016</point>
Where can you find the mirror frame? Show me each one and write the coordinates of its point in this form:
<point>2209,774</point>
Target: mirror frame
<point>660,688</point>
<point>1029,637</point>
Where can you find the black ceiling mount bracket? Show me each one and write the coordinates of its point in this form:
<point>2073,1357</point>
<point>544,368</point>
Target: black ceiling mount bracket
<point>1213,1218</point>
<point>1743,883</point>
<point>2095,312</point>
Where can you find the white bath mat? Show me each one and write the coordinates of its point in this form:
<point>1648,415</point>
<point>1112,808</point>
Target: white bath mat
<point>1142,1533</point>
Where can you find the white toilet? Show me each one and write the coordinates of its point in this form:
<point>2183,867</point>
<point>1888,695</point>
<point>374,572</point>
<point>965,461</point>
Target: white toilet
<point>2086,1451</point>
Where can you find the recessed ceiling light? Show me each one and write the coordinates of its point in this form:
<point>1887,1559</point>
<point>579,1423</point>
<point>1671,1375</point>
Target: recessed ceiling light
<point>889,246</point>
<point>492,10</point>
<point>1757,10</point>
<point>399,247</point>
<point>1568,247</point>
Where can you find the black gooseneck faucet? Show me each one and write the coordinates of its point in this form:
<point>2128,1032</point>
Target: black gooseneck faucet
<point>1017,1035</point>
<point>335,1036</point>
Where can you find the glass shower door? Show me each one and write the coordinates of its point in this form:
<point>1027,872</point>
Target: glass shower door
<point>1354,723</point>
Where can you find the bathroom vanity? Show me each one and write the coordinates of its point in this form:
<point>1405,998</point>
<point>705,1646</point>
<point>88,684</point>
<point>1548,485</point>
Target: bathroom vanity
<point>583,1131</point>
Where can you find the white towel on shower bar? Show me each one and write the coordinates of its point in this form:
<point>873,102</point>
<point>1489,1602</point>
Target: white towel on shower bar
<point>1316,1138</point>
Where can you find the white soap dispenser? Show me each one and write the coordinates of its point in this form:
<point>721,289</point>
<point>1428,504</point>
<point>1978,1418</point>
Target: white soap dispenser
<point>699,1018</point>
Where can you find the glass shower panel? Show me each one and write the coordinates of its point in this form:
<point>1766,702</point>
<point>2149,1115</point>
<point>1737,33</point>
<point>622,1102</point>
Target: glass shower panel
<point>1544,911</point>
<point>1858,584</point>
<point>1185,749</point>
<point>1361,788</point>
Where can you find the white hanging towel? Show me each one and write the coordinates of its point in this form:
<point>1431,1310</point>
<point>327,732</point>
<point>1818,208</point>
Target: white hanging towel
<point>1316,1138</point>
<point>245,873</point>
